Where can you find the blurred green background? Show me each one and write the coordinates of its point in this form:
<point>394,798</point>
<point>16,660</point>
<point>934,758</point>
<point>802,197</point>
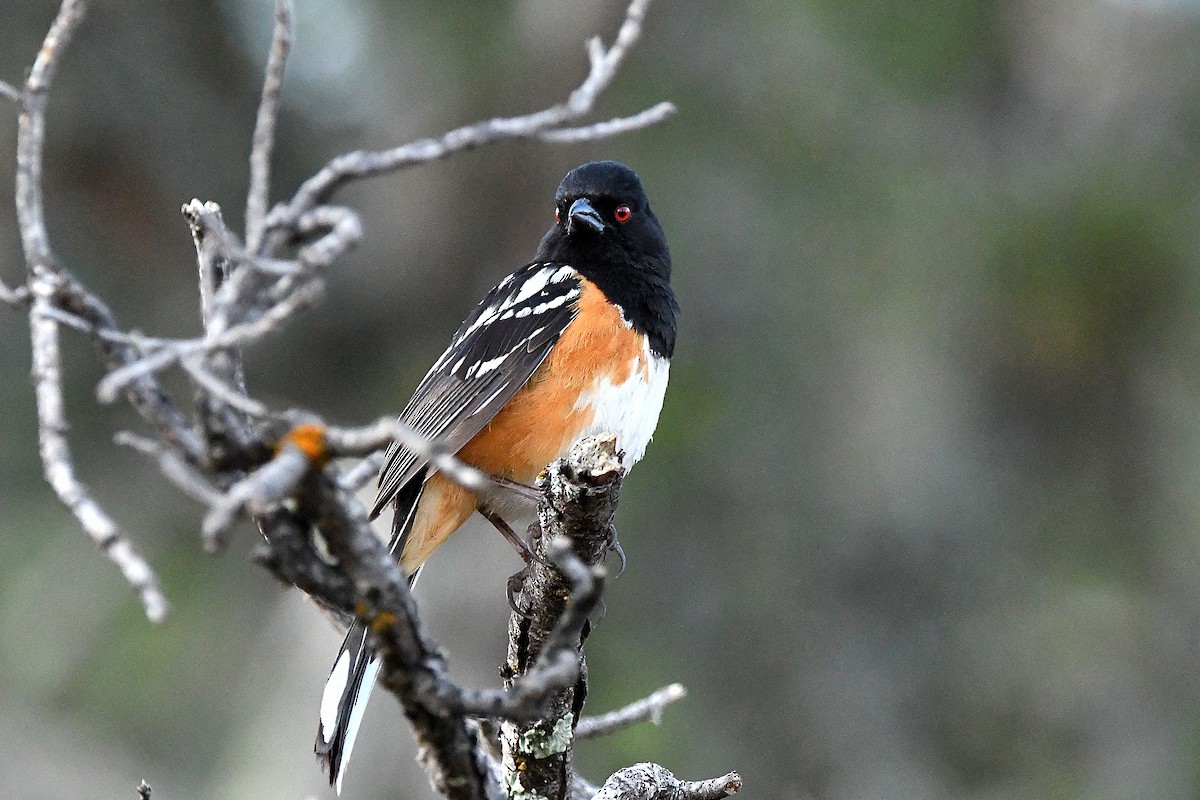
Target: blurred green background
<point>920,520</point>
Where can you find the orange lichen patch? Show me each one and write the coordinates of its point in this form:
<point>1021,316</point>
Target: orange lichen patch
<point>541,420</point>
<point>383,622</point>
<point>443,508</point>
<point>311,441</point>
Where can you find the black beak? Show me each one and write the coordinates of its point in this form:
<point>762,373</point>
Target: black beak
<point>582,213</point>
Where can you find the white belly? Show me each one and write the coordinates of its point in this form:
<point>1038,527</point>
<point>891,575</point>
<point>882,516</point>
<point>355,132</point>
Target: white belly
<point>629,410</point>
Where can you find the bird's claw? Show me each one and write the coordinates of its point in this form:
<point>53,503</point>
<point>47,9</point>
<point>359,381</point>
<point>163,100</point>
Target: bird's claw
<point>615,546</point>
<point>513,589</point>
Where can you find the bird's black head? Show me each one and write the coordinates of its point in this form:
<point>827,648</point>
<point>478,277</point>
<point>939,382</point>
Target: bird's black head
<point>604,228</point>
<point>603,220</point>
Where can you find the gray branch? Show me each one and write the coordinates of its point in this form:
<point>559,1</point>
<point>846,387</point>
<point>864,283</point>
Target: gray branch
<point>189,480</point>
<point>364,164</point>
<point>581,493</point>
<point>648,708</point>
<point>60,472</point>
<point>653,782</point>
<point>12,93</point>
<point>259,492</point>
<point>44,281</point>
<point>264,125</point>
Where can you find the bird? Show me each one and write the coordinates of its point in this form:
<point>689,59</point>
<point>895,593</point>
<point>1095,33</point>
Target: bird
<point>576,342</point>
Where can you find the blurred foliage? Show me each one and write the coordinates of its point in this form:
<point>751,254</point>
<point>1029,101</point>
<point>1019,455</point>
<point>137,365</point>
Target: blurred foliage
<point>921,517</point>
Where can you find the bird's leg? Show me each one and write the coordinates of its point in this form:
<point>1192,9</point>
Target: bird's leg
<point>508,533</point>
<point>517,488</point>
<point>516,582</point>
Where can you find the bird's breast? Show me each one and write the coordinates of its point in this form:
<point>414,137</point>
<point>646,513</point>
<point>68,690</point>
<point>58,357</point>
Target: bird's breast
<point>600,377</point>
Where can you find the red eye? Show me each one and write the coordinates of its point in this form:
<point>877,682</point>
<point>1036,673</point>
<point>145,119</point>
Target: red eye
<point>623,213</point>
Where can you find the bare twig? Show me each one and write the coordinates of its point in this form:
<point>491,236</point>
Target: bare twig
<point>78,308</point>
<point>605,63</point>
<point>611,127</point>
<point>60,289</point>
<point>343,231</point>
<point>340,229</point>
<point>31,135</point>
<point>257,493</point>
<point>653,782</point>
<point>60,473</point>
<point>15,296</point>
<point>186,478</point>
<point>232,396</point>
<point>10,92</point>
<point>171,351</point>
<point>144,791</point>
<point>364,164</point>
<point>212,253</point>
<point>47,364</point>
<point>264,125</point>
<point>648,708</point>
<point>361,441</point>
<point>363,472</point>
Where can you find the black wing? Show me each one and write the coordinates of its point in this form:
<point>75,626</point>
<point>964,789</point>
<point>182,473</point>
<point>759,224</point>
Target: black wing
<point>492,355</point>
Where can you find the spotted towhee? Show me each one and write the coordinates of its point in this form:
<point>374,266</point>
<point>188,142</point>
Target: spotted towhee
<point>577,342</point>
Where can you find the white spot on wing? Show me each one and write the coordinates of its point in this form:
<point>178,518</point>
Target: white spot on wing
<point>485,367</point>
<point>556,302</point>
<point>533,284</point>
<point>507,308</point>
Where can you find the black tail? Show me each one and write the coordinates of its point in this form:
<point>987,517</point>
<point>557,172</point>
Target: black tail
<point>353,676</point>
<point>344,701</point>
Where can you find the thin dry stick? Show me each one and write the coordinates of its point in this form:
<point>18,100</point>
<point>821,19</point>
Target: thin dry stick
<point>264,126</point>
<point>172,350</point>
<point>222,391</point>
<point>186,478</point>
<point>13,296</point>
<point>56,461</point>
<point>361,441</point>
<point>257,493</point>
<point>363,164</point>
<point>47,363</point>
<point>611,127</point>
<point>10,92</point>
<point>363,472</point>
<point>31,133</point>
<point>299,289</point>
<point>648,708</point>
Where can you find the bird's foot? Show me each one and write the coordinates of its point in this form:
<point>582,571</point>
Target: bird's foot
<point>615,546</point>
<point>513,589</point>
